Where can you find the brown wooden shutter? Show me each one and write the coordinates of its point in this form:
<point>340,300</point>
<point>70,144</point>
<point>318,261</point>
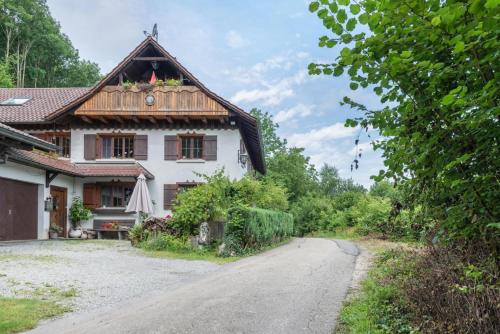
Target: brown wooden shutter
<point>170,147</point>
<point>141,147</point>
<point>169,192</point>
<point>210,147</point>
<point>89,147</point>
<point>91,196</point>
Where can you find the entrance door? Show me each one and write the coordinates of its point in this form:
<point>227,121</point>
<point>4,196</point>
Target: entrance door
<point>58,215</point>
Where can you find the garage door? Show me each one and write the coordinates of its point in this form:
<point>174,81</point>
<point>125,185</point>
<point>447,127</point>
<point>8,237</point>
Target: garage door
<point>18,210</point>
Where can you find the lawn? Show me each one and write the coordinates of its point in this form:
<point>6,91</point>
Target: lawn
<point>20,314</point>
<point>209,254</point>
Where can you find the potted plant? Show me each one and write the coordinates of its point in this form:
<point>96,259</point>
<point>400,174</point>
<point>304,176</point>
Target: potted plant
<point>54,231</point>
<point>77,213</point>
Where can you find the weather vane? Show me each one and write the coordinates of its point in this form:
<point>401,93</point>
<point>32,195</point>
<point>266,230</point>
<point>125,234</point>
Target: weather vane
<point>154,33</point>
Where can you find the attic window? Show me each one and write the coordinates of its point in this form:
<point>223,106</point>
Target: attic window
<point>15,101</point>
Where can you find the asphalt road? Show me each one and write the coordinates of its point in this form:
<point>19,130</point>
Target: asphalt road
<point>296,288</point>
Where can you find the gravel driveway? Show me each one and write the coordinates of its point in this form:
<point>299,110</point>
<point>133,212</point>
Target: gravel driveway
<point>90,274</point>
<point>295,288</point>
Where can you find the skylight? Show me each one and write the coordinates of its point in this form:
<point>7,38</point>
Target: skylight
<point>15,101</point>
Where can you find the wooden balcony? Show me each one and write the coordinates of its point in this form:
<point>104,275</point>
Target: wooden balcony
<point>171,102</point>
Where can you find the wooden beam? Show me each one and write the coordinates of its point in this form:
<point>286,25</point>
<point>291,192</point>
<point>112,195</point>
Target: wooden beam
<point>152,120</point>
<point>186,120</point>
<point>135,119</point>
<point>221,120</point>
<point>118,119</point>
<point>169,119</point>
<point>204,120</point>
<point>102,119</point>
<point>86,119</point>
<point>150,59</point>
<point>49,177</point>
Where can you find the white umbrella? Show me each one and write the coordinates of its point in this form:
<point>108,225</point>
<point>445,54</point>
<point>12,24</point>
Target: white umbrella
<point>140,200</point>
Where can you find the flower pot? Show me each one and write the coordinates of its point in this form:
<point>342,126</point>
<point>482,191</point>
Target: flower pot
<point>75,233</point>
<point>53,235</point>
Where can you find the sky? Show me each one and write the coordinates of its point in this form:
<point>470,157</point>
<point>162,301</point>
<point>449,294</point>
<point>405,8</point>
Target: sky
<point>254,53</point>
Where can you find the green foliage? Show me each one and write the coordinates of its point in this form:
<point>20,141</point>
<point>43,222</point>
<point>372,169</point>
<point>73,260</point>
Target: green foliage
<point>163,241</point>
<point>38,54</point>
<point>252,228</point>
<point>77,212</point>
<point>137,234</point>
<point>380,307</point>
<point>271,141</point>
<point>371,214</point>
<point>311,213</point>
<point>434,65</point>
<point>5,77</point>
<point>212,199</point>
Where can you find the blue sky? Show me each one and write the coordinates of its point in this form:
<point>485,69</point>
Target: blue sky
<point>254,53</point>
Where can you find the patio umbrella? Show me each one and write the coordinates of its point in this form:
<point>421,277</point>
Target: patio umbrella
<point>140,201</point>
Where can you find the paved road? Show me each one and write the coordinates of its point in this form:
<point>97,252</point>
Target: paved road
<point>296,288</point>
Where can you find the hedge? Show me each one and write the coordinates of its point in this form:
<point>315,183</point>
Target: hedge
<point>252,228</point>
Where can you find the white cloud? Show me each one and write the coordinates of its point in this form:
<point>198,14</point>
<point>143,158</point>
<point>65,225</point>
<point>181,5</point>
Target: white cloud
<point>271,94</point>
<point>316,138</point>
<point>235,40</point>
<point>300,110</point>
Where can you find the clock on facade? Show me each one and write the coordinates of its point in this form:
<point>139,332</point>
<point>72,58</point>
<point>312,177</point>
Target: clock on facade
<point>149,99</point>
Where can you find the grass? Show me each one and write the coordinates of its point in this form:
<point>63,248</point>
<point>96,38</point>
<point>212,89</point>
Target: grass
<point>18,314</point>
<point>189,255</point>
<point>379,307</point>
<point>209,255</point>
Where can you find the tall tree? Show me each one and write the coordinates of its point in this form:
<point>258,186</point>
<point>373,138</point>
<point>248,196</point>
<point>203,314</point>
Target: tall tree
<point>435,65</point>
<point>37,52</point>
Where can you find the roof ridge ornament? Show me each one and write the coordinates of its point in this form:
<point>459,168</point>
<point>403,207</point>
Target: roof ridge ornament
<point>154,32</point>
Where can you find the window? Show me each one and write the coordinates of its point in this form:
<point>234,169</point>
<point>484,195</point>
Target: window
<point>182,187</point>
<point>64,144</point>
<point>15,101</point>
<point>116,195</point>
<point>192,147</point>
<point>117,147</point>
<point>60,139</point>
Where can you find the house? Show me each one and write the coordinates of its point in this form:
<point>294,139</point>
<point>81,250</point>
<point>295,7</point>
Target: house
<point>58,143</point>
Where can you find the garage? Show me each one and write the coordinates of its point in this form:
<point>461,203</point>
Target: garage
<point>18,210</point>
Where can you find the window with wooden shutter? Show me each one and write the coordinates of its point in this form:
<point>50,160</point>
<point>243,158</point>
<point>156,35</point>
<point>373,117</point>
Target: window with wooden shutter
<point>89,147</point>
<point>169,192</point>
<point>170,147</point>
<point>141,147</point>
<point>91,196</point>
<point>210,147</point>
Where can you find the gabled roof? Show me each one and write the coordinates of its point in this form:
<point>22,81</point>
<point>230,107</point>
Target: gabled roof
<point>66,167</point>
<point>71,98</point>
<point>43,101</point>
<point>16,136</point>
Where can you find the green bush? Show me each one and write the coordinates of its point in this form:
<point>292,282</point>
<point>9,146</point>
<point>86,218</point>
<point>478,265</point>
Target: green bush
<point>163,241</point>
<point>212,200</point>
<point>252,228</point>
<point>312,213</point>
<point>371,214</point>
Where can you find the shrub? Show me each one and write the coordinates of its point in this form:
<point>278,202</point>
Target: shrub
<point>454,289</point>
<point>252,228</point>
<point>312,213</point>
<point>163,241</point>
<point>212,200</point>
<point>371,214</point>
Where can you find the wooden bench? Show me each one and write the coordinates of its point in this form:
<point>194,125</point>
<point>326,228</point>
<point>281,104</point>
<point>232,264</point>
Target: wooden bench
<point>99,232</point>
<point>98,227</point>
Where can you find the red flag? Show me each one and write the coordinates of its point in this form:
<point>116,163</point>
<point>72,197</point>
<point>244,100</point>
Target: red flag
<point>153,78</point>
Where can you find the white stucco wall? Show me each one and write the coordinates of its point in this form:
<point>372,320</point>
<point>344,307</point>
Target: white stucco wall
<point>170,172</point>
<point>165,172</point>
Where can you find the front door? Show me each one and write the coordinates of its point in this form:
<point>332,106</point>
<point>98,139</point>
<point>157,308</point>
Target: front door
<point>58,214</point>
